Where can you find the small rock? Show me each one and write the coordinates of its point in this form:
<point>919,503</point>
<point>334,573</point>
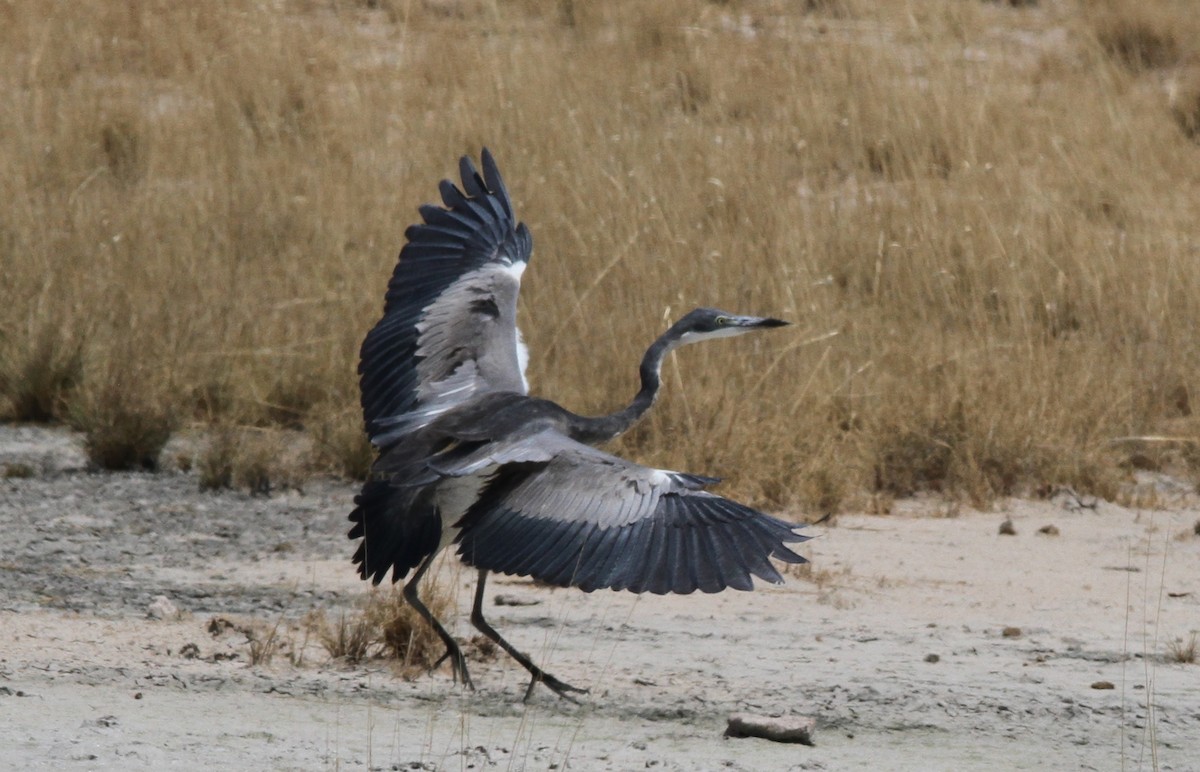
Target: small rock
<point>1103,685</point>
<point>1011,632</point>
<point>1007,528</point>
<point>515,600</point>
<point>1048,530</point>
<point>931,658</point>
<point>162,608</point>
<point>783,729</point>
<point>189,651</point>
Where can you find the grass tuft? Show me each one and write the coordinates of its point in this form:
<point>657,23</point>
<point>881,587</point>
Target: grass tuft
<point>249,458</point>
<point>216,462</point>
<point>265,642</point>
<point>401,632</point>
<point>125,421</point>
<point>914,458</point>
<point>38,371</point>
<point>349,639</point>
<point>1183,652</point>
<point>388,627</point>
<point>341,445</point>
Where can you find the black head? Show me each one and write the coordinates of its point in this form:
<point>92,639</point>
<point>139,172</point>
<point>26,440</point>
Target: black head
<point>707,323</point>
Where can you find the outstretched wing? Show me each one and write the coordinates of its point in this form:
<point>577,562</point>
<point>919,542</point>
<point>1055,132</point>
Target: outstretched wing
<point>573,516</point>
<point>449,326</point>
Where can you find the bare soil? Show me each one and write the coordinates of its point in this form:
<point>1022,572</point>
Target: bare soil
<point>919,640</point>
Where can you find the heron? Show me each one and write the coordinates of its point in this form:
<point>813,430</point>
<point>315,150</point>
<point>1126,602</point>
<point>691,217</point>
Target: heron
<point>515,483</point>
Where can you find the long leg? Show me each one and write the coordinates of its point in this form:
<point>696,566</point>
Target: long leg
<point>458,663</point>
<point>560,688</point>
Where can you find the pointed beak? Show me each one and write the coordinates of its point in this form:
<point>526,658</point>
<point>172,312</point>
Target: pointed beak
<point>760,322</point>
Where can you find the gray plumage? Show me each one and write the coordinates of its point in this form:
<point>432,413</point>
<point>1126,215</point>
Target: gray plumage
<point>467,458</point>
<point>449,326</point>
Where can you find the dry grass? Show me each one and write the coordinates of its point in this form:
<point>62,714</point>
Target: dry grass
<point>1145,35</point>
<point>387,626</point>
<point>39,366</point>
<point>339,444</point>
<point>1183,651</point>
<point>264,643</point>
<point>349,639</point>
<point>126,419</point>
<point>995,208</point>
<point>249,458</point>
<point>402,633</point>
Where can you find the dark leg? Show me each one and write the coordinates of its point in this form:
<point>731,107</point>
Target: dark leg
<point>458,663</point>
<point>558,687</point>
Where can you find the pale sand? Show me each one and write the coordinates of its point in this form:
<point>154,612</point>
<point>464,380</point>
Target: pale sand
<point>87,681</point>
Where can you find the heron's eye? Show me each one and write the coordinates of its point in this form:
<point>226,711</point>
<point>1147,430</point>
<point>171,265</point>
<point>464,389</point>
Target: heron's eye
<point>721,321</point>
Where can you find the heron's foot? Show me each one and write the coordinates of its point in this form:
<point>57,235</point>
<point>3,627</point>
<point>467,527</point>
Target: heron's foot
<point>458,666</point>
<point>561,688</point>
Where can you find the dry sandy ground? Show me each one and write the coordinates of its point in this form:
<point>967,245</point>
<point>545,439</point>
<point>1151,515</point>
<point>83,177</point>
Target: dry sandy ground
<point>88,680</point>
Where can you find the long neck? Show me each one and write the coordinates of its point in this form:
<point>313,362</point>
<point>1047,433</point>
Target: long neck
<point>603,428</point>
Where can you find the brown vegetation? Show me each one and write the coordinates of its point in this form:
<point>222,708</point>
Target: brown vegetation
<point>387,626</point>
<point>1144,35</point>
<point>1183,651</point>
<point>995,209</point>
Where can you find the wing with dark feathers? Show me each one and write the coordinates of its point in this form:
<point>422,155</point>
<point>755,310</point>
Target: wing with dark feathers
<point>591,520</point>
<point>449,328</point>
<point>399,528</point>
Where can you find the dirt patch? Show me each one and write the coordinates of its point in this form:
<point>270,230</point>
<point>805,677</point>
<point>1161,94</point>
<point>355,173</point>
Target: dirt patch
<point>894,641</point>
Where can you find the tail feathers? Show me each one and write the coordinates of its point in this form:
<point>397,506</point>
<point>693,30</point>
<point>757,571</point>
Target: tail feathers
<point>399,528</point>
